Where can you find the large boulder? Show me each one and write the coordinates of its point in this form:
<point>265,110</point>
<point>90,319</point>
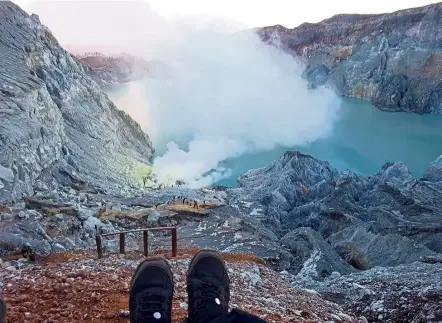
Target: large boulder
<point>313,257</point>
<point>379,250</point>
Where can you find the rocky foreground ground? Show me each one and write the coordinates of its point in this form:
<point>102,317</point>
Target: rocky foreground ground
<point>77,287</point>
<point>370,244</point>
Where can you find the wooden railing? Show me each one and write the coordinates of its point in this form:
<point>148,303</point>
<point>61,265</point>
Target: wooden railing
<point>145,239</point>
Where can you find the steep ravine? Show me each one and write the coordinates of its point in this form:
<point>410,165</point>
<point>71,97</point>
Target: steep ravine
<point>393,60</point>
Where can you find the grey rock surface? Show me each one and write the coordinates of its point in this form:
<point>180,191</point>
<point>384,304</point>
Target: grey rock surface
<point>57,126</point>
<point>406,293</point>
<point>371,244</point>
<point>312,256</point>
<point>392,60</point>
<point>386,219</point>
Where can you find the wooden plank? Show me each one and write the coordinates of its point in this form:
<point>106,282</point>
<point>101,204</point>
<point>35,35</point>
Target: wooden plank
<point>145,240</point>
<point>174,242</point>
<point>34,203</point>
<point>99,246</point>
<point>69,210</point>
<point>146,243</point>
<point>122,242</point>
<point>138,230</point>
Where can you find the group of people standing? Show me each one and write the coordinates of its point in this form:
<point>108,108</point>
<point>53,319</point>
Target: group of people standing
<point>184,201</point>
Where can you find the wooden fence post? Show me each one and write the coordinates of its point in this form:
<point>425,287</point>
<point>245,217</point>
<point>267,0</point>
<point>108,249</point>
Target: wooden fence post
<point>122,242</point>
<point>146,243</point>
<point>174,242</point>
<point>99,246</point>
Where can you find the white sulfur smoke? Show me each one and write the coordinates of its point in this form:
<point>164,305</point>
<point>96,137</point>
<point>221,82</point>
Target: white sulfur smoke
<point>232,94</point>
<point>226,93</point>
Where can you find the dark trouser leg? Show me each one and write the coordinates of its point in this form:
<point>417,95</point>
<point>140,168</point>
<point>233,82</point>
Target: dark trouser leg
<point>208,288</point>
<point>2,310</point>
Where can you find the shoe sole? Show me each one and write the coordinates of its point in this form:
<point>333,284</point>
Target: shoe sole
<point>152,261</point>
<point>2,310</point>
<point>204,253</point>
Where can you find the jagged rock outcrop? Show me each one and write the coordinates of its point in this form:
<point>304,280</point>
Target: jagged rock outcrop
<point>56,125</point>
<point>312,256</point>
<point>385,230</point>
<point>386,219</point>
<point>393,60</point>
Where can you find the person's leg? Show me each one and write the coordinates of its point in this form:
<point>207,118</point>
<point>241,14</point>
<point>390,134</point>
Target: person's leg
<point>2,310</point>
<point>208,289</point>
<point>151,292</point>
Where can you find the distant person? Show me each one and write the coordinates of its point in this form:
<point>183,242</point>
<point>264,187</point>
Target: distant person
<point>195,204</point>
<point>208,290</point>
<point>27,252</point>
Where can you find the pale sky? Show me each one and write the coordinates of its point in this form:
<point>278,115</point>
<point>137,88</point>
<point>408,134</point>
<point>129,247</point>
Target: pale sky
<point>255,13</point>
<point>100,23</point>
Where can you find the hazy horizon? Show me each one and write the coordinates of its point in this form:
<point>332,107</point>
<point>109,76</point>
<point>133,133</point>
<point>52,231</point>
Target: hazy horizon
<point>111,26</point>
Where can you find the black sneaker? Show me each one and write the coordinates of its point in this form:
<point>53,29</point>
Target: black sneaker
<point>151,292</point>
<point>2,310</point>
<point>207,287</point>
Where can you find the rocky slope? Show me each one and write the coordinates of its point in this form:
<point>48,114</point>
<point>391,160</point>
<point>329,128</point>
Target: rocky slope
<point>76,287</point>
<point>333,224</point>
<point>322,230</point>
<point>56,125</point>
<point>393,60</point>
<point>107,70</point>
<point>406,293</point>
<point>386,219</point>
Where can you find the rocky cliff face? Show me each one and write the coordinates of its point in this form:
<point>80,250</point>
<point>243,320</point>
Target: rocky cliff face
<point>56,125</point>
<point>393,60</point>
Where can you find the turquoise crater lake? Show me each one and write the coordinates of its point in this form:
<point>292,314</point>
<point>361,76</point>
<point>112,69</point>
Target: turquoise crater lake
<point>363,139</point>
